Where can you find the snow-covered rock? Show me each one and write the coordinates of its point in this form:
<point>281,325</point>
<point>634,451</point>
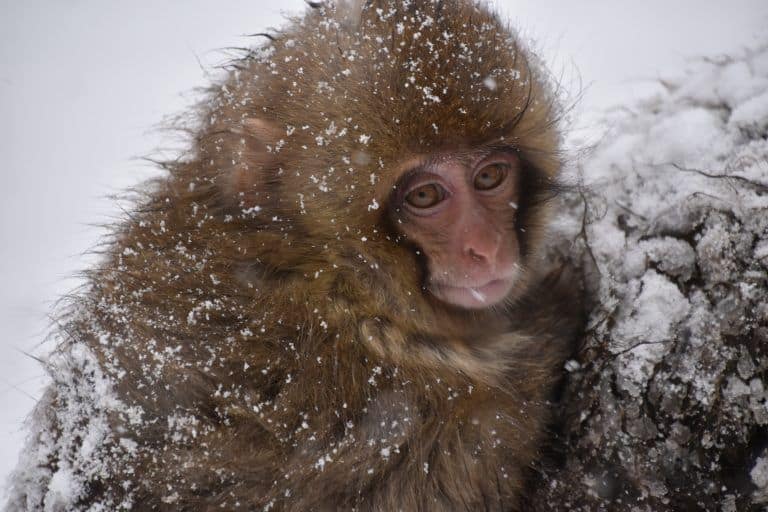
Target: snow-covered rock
<point>668,409</point>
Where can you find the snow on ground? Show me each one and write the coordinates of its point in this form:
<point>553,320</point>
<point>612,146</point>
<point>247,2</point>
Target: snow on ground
<point>669,410</point>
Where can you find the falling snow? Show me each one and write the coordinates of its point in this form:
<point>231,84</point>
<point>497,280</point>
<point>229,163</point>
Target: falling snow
<point>666,402</point>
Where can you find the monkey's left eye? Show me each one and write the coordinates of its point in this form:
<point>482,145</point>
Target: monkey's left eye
<point>491,176</point>
<point>425,196</point>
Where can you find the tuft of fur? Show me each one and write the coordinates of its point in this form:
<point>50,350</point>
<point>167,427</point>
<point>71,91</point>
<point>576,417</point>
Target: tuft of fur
<point>260,327</point>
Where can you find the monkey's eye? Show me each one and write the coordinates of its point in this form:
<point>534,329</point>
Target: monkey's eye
<point>491,176</point>
<point>425,196</point>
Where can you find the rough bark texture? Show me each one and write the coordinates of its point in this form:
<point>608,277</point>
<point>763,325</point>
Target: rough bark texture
<point>666,407</point>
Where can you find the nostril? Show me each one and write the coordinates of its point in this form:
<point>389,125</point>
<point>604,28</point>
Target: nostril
<point>475,255</point>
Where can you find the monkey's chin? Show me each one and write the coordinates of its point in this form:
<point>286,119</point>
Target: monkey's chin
<point>477,297</point>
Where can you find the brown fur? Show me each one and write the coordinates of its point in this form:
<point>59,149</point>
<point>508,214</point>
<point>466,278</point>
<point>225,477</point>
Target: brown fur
<point>262,312</point>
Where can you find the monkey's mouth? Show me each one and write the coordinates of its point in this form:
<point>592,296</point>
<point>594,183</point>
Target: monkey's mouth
<point>474,297</point>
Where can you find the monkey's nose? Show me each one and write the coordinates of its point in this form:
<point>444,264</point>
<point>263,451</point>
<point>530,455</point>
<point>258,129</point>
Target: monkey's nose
<point>482,253</point>
<point>481,246</point>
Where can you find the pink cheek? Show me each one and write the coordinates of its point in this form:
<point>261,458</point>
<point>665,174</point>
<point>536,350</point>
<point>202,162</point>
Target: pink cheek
<point>510,255</point>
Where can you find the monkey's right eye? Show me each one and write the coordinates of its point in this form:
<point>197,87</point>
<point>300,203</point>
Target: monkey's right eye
<point>425,196</point>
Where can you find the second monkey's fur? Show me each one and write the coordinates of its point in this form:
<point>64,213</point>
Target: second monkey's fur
<point>263,327</point>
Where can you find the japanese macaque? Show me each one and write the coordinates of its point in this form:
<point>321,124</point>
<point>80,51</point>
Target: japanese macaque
<point>339,299</point>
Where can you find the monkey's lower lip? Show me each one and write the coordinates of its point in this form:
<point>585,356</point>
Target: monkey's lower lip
<point>473,297</point>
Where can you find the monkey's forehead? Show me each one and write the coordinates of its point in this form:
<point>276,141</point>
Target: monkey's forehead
<point>408,76</point>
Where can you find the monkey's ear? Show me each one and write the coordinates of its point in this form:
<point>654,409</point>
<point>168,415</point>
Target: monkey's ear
<point>247,162</point>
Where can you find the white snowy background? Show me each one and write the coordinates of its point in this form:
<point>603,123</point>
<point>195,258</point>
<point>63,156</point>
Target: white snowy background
<point>83,83</point>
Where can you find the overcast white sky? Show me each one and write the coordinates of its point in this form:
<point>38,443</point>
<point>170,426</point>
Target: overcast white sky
<point>83,82</point>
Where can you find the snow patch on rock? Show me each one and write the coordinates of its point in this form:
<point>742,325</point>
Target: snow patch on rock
<point>667,402</point>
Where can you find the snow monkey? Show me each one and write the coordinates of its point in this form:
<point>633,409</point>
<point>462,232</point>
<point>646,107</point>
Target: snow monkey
<point>338,299</point>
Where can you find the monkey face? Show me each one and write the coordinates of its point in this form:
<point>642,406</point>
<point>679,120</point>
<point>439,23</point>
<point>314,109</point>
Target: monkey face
<point>459,210</point>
